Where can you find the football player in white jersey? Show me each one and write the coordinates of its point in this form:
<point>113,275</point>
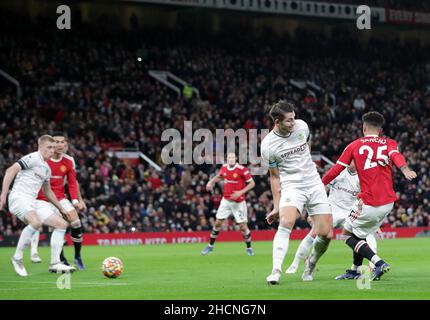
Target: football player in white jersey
<point>295,183</point>
<point>61,148</point>
<point>30,173</point>
<point>343,194</point>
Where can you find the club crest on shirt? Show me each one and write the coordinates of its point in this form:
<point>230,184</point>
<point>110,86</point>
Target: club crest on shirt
<point>235,175</point>
<point>63,168</point>
<point>301,136</point>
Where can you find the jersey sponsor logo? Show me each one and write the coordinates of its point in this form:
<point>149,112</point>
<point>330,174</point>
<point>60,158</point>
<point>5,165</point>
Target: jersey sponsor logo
<point>352,192</point>
<point>230,181</point>
<point>39,176</point>
<point>299,149</point>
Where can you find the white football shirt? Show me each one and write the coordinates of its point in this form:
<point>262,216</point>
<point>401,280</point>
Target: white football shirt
<point>344,190</point>
<point>291,155</point>
<point>34,173</point>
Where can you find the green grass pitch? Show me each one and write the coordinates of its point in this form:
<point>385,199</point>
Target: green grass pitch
<point>179,272</point>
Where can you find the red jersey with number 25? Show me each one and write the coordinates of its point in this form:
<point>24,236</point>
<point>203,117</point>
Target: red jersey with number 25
<point>373,157</point>
<point>235,179</point>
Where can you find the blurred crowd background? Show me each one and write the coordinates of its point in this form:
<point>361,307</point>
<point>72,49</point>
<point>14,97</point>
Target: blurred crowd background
<point>91,86</point>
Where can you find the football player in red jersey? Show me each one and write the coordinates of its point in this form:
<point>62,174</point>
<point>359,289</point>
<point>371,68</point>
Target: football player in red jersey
<point>374,156</point>
<point>237,182</point>
<point>63,169</point>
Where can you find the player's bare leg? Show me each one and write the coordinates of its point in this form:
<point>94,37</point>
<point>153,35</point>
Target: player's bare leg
<point>302,252</point>
<point>57,241</point>
<point>24,240</point>
<point>246,237</point>
<point>287,218</point>
<point>214,234</point>
<point>323,226</point>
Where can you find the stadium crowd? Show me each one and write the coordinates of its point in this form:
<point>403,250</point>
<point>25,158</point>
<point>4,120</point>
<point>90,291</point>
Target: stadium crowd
<point>92,87</point>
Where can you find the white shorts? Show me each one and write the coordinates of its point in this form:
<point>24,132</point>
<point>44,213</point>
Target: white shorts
<point>20,205</point>
<point>339,216</point>
<point>314,197</point>
<point>47,206</point>
<point>238,209</point>
<point>364,220</point>
<point>45,209</point>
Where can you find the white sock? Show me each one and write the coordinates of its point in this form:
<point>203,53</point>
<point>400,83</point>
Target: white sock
<point>320,246</point>
<point>35,242</point>
<point>24,241</point>
<point>303,249</point>
<point>371,241</point>
<point>375,259</point>
<point>280,247</point>
<point>57,241</point>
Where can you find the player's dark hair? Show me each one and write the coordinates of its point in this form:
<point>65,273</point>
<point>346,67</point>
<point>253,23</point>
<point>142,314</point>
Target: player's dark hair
<point>59,134</point>
<point>278,110</point>
<point>374,119</point>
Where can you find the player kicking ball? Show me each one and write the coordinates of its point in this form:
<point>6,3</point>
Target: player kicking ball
<point>63,170</point>
<point>294,182</point>
<point>343,194</point>
<point>30,173</point>
<point>237,182</point>
<point>374,156</point>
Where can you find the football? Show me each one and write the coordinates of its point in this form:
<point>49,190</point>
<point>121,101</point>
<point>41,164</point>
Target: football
<point>112,267</point>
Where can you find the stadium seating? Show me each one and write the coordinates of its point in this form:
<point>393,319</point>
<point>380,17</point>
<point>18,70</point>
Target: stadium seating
<point>90,85</point>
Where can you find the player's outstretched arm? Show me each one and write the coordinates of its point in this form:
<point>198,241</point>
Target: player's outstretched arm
<point>53,199</point>
<point>9,176</point>
<point>400,162</point>
<point>249,186</point>
<point>212,182</point>
<point>408,173</point>
<point>72,184</point>
<point>275,186</point>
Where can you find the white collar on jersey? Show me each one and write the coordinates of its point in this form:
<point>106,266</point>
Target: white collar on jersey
<point>371,135</point>
<point>280,135</point>
<point>234,167</point>
<point>57,160</point>
<point>40,155</point>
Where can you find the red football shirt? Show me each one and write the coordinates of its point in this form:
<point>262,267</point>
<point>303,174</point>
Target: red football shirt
<point>60,170</point>
<point>373,157</point>
<point>235,179</point>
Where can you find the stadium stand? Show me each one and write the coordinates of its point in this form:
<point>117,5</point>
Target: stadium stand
<point>90,85</point>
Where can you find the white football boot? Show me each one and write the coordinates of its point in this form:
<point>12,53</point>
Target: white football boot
<point>61,268</point>
<point>35,258</point>
<point>19,267</point>
<point>292,269</point>
<point>274,277</point>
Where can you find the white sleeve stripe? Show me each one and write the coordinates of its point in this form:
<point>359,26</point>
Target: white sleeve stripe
<point>392,151</point>
<point>341,163</point>
<point>249,180</point>
<point>246,172</point>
